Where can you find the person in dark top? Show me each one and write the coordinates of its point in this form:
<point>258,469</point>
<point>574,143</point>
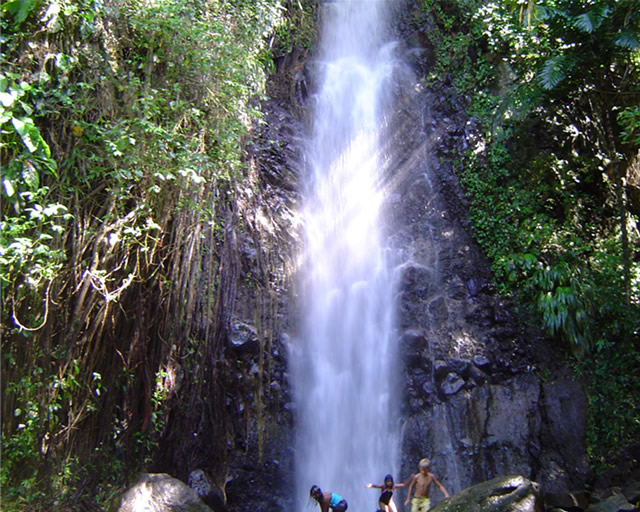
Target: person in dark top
<point>385,501</point>
<point>328,500</point>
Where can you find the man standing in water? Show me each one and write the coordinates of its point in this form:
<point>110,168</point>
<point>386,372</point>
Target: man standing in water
<point>422,482</point>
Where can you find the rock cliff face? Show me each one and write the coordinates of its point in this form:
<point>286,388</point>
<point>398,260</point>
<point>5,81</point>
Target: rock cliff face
<point>482,395</point>
<point>260,471</point>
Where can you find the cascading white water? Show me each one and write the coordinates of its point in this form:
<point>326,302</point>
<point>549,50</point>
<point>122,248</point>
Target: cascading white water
<point>345,360</point>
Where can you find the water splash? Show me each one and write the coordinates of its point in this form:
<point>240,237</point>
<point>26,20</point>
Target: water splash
<point>347,422</point>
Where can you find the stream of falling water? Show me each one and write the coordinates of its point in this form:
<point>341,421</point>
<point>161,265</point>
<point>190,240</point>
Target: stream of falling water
<point>344,365</point>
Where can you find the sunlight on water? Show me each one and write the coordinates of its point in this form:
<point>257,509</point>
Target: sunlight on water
<point>344,361</point>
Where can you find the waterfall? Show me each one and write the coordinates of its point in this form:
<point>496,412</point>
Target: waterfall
<point>344,363</point>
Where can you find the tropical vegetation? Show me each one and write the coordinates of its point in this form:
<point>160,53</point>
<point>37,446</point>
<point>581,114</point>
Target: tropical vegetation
<point>554,178</point>
<point>124,131</point>
<point>124,127</point>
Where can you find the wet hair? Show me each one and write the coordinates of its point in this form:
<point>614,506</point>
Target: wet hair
<point>424,463</point>
<point>388,477</point>
<point>316,490</point>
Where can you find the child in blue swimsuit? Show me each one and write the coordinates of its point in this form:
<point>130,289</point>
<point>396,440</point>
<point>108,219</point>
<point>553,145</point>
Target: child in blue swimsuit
<point>328,500</point>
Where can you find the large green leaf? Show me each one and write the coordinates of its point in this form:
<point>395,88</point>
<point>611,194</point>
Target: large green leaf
<point>628,39</point>
<point>28,133</point>
<point>20,9</point>
<point>591,20</point>
<point>555,70</point>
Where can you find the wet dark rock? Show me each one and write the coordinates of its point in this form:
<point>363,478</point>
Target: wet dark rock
<point>568,501</point>
<point>565,408</point>
<point>243,338</point>
<point>457,289</point>
<point>459,366</point>
<point>412,344</point>
<point>207,490</point>
<point>615,503</point>
<point>416,404</point>
<point>452,384</point>
<point>481,362</point>
<point>415,282</point>
<point>429,388</point>
<point>440,369</point>
<point>476,375</point>
<point>632,492</point>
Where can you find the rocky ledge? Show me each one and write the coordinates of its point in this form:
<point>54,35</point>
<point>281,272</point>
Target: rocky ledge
<point>162,493</point>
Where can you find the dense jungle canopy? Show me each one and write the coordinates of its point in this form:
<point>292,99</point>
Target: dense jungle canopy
<point>125,134</point>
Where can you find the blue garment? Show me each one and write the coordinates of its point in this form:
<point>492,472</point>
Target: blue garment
<point>335,499</point>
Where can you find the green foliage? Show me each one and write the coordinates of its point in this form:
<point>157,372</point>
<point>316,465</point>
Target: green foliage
<point>555,70</point>
<point>559,202</point>
<point>38,422</point>
<point>577,31</point>
<point>559,107</point>
<point>116,120</point>
<point>629,120</point>
<point>298,29</point>
<point>613,400</point>
<point>22,447</point>
<point>32,221</point>
<point>563,297</point>
<point>19,9</point>
<point>454,48</point>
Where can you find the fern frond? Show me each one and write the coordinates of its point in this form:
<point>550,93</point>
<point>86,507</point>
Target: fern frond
<point>629,38</point>
<point>555,70</point>
<point>591,20</point>
<point>544,13</point>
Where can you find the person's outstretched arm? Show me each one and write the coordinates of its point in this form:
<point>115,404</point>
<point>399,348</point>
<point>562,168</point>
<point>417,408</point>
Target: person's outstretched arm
<point>373,486</point>
<point>442,488</point>
<point>324,506</point>
<point>413,480</point>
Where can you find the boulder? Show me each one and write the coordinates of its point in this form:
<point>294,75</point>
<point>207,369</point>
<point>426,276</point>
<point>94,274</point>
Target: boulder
<point>632,492</point>
<point>452,384</point>
<point>207,490</point>
<point>159,492</point>
<point>502,494</point>
<point>615,503</point>
<point>576,500</point>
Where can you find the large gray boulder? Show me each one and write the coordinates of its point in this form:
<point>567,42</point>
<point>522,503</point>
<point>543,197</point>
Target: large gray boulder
<point>159,492</point>
<point>615,503</point>
<point>502,494</point>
